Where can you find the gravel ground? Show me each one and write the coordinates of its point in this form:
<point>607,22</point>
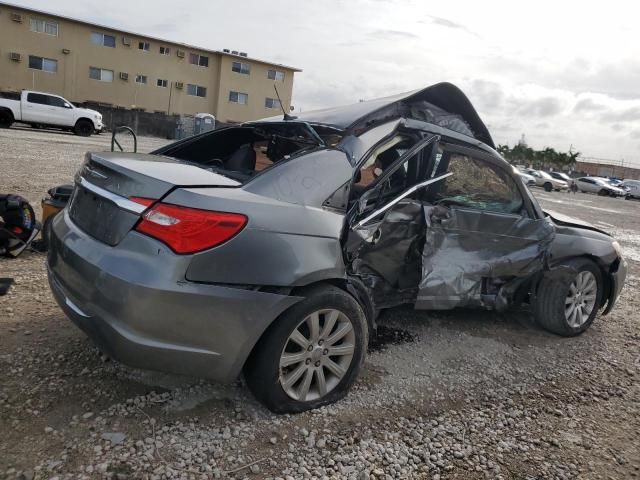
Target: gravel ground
<point>462,394</point>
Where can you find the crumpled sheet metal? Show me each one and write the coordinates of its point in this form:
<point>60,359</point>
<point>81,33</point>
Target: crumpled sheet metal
<point>387,254</point>
<point>463,248</point>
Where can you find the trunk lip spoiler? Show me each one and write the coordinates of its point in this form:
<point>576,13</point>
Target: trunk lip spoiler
<point>123,202</point>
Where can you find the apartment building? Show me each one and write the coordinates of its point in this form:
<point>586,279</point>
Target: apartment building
<point>86,62</point>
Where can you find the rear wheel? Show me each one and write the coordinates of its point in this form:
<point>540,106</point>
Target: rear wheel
<point>568,306</point>
<point>311,355</point>
<point>6,118</point>
<point>603,193</point>
<point>83,128</point>
<point>548,187</point>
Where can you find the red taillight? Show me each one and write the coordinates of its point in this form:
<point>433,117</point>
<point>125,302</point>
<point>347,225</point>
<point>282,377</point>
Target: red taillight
<point>189,230</point>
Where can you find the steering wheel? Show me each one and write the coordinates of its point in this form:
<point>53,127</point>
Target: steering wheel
<point>216,162</point>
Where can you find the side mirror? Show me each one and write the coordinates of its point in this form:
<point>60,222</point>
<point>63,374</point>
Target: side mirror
<point>67,105</point>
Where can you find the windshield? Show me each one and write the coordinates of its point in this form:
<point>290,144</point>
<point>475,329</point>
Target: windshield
<point>544,174</point>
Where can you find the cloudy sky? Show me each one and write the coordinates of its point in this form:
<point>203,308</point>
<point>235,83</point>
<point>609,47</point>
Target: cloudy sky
<point>562,72</point>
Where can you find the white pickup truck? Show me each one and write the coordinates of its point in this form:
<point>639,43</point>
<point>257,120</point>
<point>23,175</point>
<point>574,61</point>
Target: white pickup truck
<point>45,110</point>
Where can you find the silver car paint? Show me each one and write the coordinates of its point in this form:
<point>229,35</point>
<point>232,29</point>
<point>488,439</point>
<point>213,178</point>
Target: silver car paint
<point>202,314</point>
<point>138,308</point>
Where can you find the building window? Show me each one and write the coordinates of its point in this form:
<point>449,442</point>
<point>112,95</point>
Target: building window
<point>144,46</point>
<point>101,74</point>
<point>44,26</point>
<point>165,51</point>
<point>275,75</point>
<point>162,83</point>
<point>103,39</point>
<point>237,97</point>
<point>141,79</point>
<point>195,59</point>
<point>240,67</point>
<point>44,64</point>
<point>272,103</point>
<point>196,90</point>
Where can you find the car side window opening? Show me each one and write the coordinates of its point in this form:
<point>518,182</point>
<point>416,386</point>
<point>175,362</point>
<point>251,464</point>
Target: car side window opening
<point>378,163</point>
<point>37,98</point>
<point>476,184</point>
<point>241,152</point>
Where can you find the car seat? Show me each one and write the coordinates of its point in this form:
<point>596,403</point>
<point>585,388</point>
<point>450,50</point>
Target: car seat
<point>243,160</point>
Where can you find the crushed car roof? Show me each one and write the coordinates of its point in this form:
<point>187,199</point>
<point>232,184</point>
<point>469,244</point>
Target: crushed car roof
<point>447,99</point>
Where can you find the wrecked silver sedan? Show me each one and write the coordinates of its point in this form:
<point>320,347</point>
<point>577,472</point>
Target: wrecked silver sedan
<point>269,248</point>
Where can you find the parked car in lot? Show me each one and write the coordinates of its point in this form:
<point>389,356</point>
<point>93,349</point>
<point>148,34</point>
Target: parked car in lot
<point>598,185</point>
<point>529,180</point>
<point>632,188</point>
<point>562,176</point>
<point>205,258</point>
<point>45,110</point>
<point>546,181</point>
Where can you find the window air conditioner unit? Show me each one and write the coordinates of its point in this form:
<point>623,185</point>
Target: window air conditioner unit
<point>16,17</point>
<point>124,76</point>
<point>16,57</point>
<point>234,52</point>
<point>126,41</point>
<point>226,50</point>
<point>243,54</point>
<point>180,53</point>
<point>66,51</point>
<point>179,85</point>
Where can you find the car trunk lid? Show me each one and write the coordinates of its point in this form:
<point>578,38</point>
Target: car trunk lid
<point>104,200</point>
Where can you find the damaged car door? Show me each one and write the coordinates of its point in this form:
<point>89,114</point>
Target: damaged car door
<point>383,247</point>
<point>484,237</point>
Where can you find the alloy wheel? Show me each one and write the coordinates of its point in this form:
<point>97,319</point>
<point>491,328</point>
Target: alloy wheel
<point>581,299</point>
<point>317,355</point>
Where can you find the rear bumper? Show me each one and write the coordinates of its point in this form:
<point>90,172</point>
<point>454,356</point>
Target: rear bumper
<point>132,300</point>
<point>616,279</point>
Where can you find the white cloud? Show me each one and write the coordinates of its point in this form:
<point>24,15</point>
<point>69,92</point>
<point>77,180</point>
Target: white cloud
<point>564,73</point>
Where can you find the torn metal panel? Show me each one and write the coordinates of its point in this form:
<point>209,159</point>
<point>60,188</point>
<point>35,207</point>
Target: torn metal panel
<point>463,247</point>
<point>386,255</point>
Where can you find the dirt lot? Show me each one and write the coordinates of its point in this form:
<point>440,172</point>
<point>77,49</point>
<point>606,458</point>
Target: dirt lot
<point>461,394</point>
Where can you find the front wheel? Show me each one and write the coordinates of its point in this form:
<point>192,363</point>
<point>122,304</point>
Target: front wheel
<point>603,193</point>
<point>83,128</point>
<point>568,306</point>
<point>548,187</point>
<point>311,355</point>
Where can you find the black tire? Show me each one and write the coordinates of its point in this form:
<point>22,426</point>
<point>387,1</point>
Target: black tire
<point>548,187</point>
<point>549,308</point>
<point>6,119</point>
<point>603,193</point>
<point>262,369</point>
<point>84,128</point>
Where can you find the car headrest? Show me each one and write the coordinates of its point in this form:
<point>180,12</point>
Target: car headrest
<point>387,157</point>
<point>243,159</point>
